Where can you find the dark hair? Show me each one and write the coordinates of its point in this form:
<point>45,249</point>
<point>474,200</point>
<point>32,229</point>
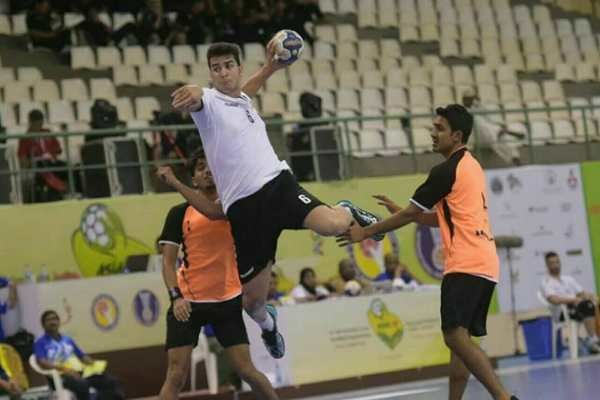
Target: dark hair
<point>458,118</point>
<point>35,115</point>
<point>45,315</point>
<point>306,271</point>
<point>197,155</point>
<point>223,49</point>
<point>550,254</point>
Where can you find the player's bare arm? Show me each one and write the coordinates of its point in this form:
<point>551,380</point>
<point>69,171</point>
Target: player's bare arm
<point>425,218</point>
<point>187,98</point>
<point>181,307</point>
<point>258,79</point>
<point>211,209</point>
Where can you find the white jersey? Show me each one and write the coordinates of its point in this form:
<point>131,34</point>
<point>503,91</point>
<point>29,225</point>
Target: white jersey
<point>563,286</point>
<point>238,151</point>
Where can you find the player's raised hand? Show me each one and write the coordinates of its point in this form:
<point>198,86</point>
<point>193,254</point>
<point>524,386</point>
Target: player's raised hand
<point>385,201</point>
<point>271,61</point>
<point>165,173</point>
<point>354,234</point>
<point>187,98</point>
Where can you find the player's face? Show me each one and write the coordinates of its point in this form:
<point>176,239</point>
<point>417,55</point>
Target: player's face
<point>444,140</point>
<point>553,264</point>
<point>202,178</point>
<point>226,74</point>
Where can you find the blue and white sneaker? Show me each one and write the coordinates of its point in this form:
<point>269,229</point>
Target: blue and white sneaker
<point>273,340</point>
<point>363,217</point>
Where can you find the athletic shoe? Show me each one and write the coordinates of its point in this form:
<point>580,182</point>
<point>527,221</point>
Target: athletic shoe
<point>273,340</point>
<point>514,398</point>
<point>592,347</point>
<point>363,217</point>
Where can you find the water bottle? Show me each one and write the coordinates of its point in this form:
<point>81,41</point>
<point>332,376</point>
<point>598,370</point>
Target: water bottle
<point>43,276</point>
<point>28,275</point>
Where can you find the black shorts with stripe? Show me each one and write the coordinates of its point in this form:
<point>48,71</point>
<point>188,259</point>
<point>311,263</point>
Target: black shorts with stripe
<point>465,302</point>
<point>225,318</point>
<point>258,220</point>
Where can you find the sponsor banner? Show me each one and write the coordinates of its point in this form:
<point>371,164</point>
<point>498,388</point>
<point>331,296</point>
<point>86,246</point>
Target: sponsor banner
<point>103,313</point>
<point>590,172</point>
<point>545,206</point>
<point>96,237</point>
<point>364,335</point>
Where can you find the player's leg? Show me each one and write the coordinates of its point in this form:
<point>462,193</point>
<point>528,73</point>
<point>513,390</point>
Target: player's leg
<point>177,372</point>
<point>465,316</point>
<point>304,210</point>
<point>230,331</point>
<point>458,378</point>
<point>459,342</point>
<point>265,315</point>
<point>239,357</point>
<point>182,337</point>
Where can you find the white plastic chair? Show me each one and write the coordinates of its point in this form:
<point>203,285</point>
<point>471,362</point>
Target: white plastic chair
<point>60,392</point>
<point>202,353</point>
<point>571,326</point>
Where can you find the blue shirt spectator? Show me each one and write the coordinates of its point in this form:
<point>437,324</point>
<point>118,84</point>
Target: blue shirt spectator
<point>54,350</point>
<point>57,350</point>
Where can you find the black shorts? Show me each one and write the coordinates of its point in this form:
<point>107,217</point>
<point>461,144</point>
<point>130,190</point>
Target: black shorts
<point>257,221</point>
<point>585,309</point>
<point>225,318</point>
<point>465,302</point>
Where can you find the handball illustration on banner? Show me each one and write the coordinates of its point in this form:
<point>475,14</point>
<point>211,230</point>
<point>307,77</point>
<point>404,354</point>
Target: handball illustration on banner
<point>100,245</point>
<point>385,324</point>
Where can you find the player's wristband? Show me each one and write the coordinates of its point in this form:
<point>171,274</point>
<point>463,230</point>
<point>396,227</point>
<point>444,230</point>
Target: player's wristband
<point>175,293</point>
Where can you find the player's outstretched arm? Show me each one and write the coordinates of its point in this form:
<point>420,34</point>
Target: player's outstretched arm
<point>424,218</point>
<point>209,208</point>
<point>187,98</point>
<point>260,77</point>
<point>356,233</point>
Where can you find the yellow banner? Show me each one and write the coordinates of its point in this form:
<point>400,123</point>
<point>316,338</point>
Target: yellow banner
<point>95,237</point>
<point>365,335</point>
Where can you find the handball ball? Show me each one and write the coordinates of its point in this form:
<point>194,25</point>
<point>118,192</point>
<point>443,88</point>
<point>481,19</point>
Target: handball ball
<point>288,46</point>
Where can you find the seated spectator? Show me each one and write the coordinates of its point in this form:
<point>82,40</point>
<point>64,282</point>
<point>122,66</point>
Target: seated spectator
<point>492,135</point>
<point>43,152</point>
<point>303,11</point>
<point>197,22</point>
<point>560,289</point>
<point>6,304</point>
<point>8,386</point>
<point>397,272</point>
<point>274,296</point>
<point>176,144</point>
<point>56,351</point>
<point>348,282</point>
<point>308,289</point>
<point>41,27</point>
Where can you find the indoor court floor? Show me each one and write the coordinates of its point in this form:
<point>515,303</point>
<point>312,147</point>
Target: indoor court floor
<point>551,380</point>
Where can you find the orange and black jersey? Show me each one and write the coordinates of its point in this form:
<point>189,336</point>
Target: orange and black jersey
<point>457,189</point>
<point>208,272</point>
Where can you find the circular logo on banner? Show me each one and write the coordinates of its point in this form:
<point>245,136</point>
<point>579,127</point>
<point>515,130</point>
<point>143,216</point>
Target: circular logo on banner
<point>105,312</point>
<point>369,254</point>
<point>497,186</point>
<point>146,307</point>
<point>429,250</point>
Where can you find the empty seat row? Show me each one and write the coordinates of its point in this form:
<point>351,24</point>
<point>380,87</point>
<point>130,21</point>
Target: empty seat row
<point>64,111</point>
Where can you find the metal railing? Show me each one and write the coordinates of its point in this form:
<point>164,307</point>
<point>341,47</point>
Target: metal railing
<point>344,128</point>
